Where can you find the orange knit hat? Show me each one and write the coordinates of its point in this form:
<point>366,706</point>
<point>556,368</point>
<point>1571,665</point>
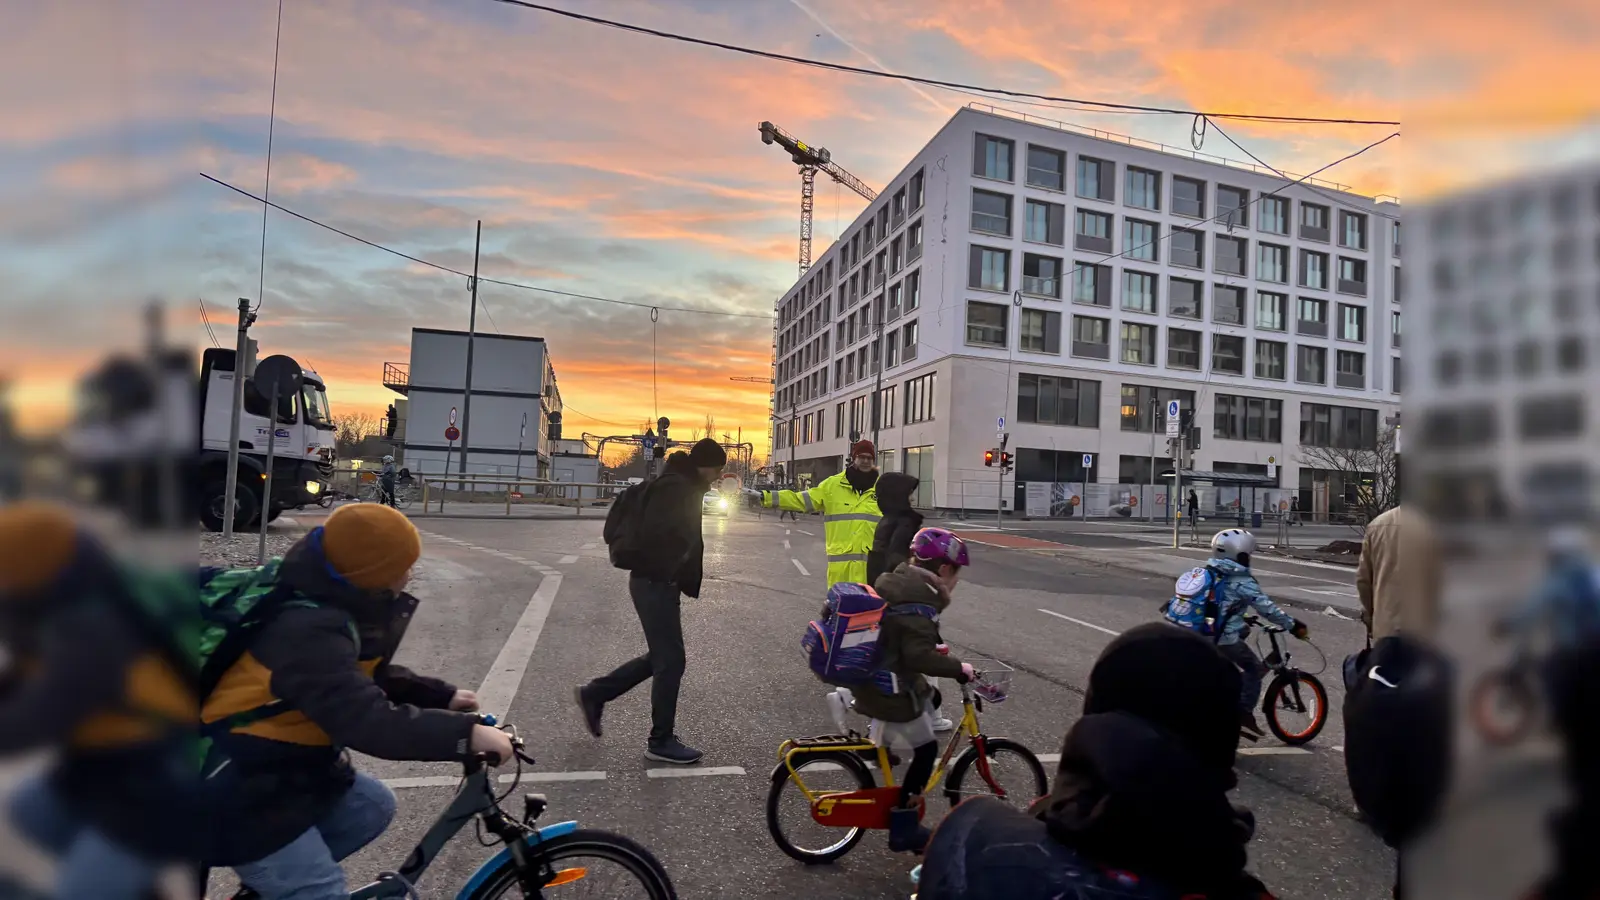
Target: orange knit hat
<point>370,545</point>
<point>37,542</point>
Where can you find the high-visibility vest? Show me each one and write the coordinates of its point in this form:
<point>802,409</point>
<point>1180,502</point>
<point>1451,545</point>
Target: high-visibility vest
<point>849,519</point>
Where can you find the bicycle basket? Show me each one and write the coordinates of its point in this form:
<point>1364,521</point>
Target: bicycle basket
<point>992,681</point>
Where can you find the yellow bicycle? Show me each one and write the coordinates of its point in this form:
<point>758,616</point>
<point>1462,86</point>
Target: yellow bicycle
<point>839,799</point>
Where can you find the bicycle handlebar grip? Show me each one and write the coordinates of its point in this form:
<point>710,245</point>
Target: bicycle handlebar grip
<point>488,719</point>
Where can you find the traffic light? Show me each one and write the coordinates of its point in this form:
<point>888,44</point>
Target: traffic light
<point>1005,461</point>
<point>988,457</point>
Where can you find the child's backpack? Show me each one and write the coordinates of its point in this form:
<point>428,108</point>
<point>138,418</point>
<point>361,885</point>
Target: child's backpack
<point>1196,602</point>
<point>842,646</point>
<point>621,519</point>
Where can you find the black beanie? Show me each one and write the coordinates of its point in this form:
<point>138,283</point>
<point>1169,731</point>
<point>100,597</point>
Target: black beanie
<point>708,454</point>
<point>1175,679</point>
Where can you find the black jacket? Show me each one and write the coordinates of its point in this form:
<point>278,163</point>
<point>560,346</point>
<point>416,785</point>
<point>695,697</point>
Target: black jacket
<point>667,536</point>
<point>891,543</point>
<point>330,666</point>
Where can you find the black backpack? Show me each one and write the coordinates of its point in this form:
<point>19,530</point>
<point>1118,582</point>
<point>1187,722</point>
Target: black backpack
<point>621,520</point>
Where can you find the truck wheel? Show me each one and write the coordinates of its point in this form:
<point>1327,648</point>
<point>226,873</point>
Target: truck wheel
<point>213,500</point>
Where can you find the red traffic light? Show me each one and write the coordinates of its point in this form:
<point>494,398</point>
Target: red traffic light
<point>1005,459</point>
<point>988,457</point>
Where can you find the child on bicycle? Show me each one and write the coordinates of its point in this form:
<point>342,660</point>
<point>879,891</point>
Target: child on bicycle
<point>311,680</point>
<point>901,700</point>
<point>1238,589</point>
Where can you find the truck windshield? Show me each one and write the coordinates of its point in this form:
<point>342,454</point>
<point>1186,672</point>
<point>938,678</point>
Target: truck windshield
<point>314,401</point>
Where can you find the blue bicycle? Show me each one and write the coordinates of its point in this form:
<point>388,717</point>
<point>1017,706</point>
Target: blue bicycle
<point>533,858</point>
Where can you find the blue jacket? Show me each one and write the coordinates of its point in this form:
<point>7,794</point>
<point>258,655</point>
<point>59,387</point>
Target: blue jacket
<point>1241,592</point>
<point>1568,600</point>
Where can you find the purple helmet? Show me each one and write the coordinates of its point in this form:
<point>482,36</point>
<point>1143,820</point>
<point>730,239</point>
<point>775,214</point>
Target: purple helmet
<point>939,545</point>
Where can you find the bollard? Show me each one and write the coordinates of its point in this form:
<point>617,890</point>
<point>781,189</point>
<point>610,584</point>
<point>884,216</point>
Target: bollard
<point>508,499</point>
<point>424,496</point>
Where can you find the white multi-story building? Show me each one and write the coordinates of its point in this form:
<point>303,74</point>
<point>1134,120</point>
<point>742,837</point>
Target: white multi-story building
<point>1504,392</point>
<point>1072,282</point>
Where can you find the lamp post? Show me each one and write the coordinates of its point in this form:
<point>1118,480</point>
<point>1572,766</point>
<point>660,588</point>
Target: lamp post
<point>1150,501</point>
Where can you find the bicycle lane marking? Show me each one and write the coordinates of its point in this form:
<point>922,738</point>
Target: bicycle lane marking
<point>505,675</point>
<point>1100,628</point>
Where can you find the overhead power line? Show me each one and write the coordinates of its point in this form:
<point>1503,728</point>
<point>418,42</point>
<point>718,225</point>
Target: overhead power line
<point>1102,105</point>
<point>444,268</point>
<point>1310,187</point>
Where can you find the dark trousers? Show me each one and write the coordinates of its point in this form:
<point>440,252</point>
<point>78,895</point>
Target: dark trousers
<point>1253,669</point>
<point>660,610</point>
<point>1575,708</point>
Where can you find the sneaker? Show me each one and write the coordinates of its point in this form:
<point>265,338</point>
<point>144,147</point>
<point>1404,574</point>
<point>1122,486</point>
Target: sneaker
<point>1247,722</point>
<point>673,751</point>
<point>943,724</point>
<point>590,711</point>
<point>906,831</point>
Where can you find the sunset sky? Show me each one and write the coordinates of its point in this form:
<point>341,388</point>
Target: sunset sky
<point>623,166</point>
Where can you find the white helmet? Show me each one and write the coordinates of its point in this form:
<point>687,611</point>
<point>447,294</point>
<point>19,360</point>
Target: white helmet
<point>388,459</point>
<point>1235,544</point>
<point>1568,542</point>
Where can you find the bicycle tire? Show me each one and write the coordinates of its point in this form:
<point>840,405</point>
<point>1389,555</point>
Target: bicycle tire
<point>781,779</point>
<point>615,848</point>
<point>1269,708</point>
<point>1513,687</point>
<point>993,747</point>
<point>403,499</point>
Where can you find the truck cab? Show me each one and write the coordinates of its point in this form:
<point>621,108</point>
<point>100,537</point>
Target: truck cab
<point>303,446</point>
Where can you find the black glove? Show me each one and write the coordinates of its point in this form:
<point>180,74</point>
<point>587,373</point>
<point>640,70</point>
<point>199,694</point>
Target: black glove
<point>1300,630</point>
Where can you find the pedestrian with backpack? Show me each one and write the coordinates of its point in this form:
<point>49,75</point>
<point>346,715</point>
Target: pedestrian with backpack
<point>96,674</point>
<point>299,673</point>
<point>656,537</point>
<point>909,651</point>
<point>1213,599</point>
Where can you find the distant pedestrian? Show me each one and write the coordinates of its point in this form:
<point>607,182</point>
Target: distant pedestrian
<point>668,554</point>
<point>1294,512</point>
<point>1194,505</point>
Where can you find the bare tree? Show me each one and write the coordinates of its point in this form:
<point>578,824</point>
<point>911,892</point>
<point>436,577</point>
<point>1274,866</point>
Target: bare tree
<point>1374,473</point>
<point>351,428</point>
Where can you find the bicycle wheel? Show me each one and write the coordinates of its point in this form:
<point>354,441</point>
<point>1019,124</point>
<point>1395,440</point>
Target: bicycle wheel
<point>1296,707</point>
<point>587,858</point>
<point>807,840</point>
<point>403,498</point>
<point>1502,706</point>
<point>1012,768</point>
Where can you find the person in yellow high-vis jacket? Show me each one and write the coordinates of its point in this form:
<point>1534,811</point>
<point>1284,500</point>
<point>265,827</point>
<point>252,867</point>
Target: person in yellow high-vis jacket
<point>848,504</point>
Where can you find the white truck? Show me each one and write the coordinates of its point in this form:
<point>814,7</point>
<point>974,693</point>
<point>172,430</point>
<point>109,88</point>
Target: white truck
<point>303,452</point>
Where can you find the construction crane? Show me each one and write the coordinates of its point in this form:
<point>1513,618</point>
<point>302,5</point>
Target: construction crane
<point>752,379</point>
<point>811,160</point>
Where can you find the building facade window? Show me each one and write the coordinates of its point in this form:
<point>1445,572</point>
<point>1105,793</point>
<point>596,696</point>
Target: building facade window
<point>1352,276</point>
<point>1144,189</point>
<point>1041,275</point>
<point>1044,223</point>
<point>917,182</point>
<point>1313,222</point>
<point>1247,419</point>
<point>1092,231</point>
<point>1046,168</point>
<point>1040,331</point>
<point>1394,329</point>
<point>913,291</point>
<point>1272,360</point>
<point>1233,206</point>
<point>1097,178</point>
<point>1141,240</point>
<point>1187,248</point>
<point>1188,197</point>
<point>1232,253</point>
<point>989,269</point>
<point>991,212</point>
<point>1270,309</point>
<point>1227,354</point>
<point>1351,369</point>
<point>992,157</point>
<point>1313,270</point>
<point>1274,215</point>
<point>1138,344</point>
<point>1091,284</point>
<point>1342,427</point>
<point>1273,263</point>
<point>1227,304</point>
<point>1138,291</point>
<point>1313,317</point>
<point>1352,323</point>
<point>1091,337</point>
<point>986,324</point>
<point>1183,349</point>
<point>1049,400</point>
<point>1144,408</point>
<point>1311,365</point>
<point>919,398</point>
<point>1185,298</point>
<point>908,341</point>
<point>1352,230</point>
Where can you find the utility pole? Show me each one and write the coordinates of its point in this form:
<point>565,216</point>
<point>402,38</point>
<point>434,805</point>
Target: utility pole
<point>240,348</point>
<point>472,328</point>
<point>1177,474</point>
<point>1000,486</point>
<point>1150,501</point>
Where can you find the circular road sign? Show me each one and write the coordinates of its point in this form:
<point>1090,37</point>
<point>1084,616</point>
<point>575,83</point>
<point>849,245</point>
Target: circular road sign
<point>452,433</point>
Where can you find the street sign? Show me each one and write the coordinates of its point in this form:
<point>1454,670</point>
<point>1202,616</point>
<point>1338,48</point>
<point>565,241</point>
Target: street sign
<point>1000,424</point>
<point>452,433</point>
<point>1172,418</point>
<point>1272,470</point>
<point>1088,460</point>
<point>452,415</point>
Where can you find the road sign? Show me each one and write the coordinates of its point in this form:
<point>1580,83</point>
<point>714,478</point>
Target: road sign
<point>1000,424</point>
<point>1172,418</point>
<point>1272,470</point>
<point>452,433</point>
<point>1088,460</point>
<point>452,415</point>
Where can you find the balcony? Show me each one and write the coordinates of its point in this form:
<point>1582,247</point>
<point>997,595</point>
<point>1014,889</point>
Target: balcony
<point>913,253</point>
<point>1356,288</point>
<point>1091,243</point>
<point>1351,380</point>
<point>1311,329</point>
<point>1041,287</point>
<point>1090,350</point>
<point>397,377</point>
<point>1314,233</point>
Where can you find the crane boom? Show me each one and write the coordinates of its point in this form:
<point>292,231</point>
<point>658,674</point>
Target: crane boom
<point>811,160</point>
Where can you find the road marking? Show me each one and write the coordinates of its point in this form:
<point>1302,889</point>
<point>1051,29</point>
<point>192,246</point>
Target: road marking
<point>800,567</point>
<point>786,544</point>
<point>529,777</point>
<point>692,773</point>
<point>590,546</point>
<point>803,531</point>
<point>1338,748</point>
<point>505,675</point>
<point>568,560</point>
<point>1098,628</point>
<point>422,782</point>
<point>1274,751</point>
<point>1050,758</point>
<point>787,531</point>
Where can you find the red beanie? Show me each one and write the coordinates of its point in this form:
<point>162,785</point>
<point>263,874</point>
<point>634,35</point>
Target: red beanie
<point>863,446</point>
